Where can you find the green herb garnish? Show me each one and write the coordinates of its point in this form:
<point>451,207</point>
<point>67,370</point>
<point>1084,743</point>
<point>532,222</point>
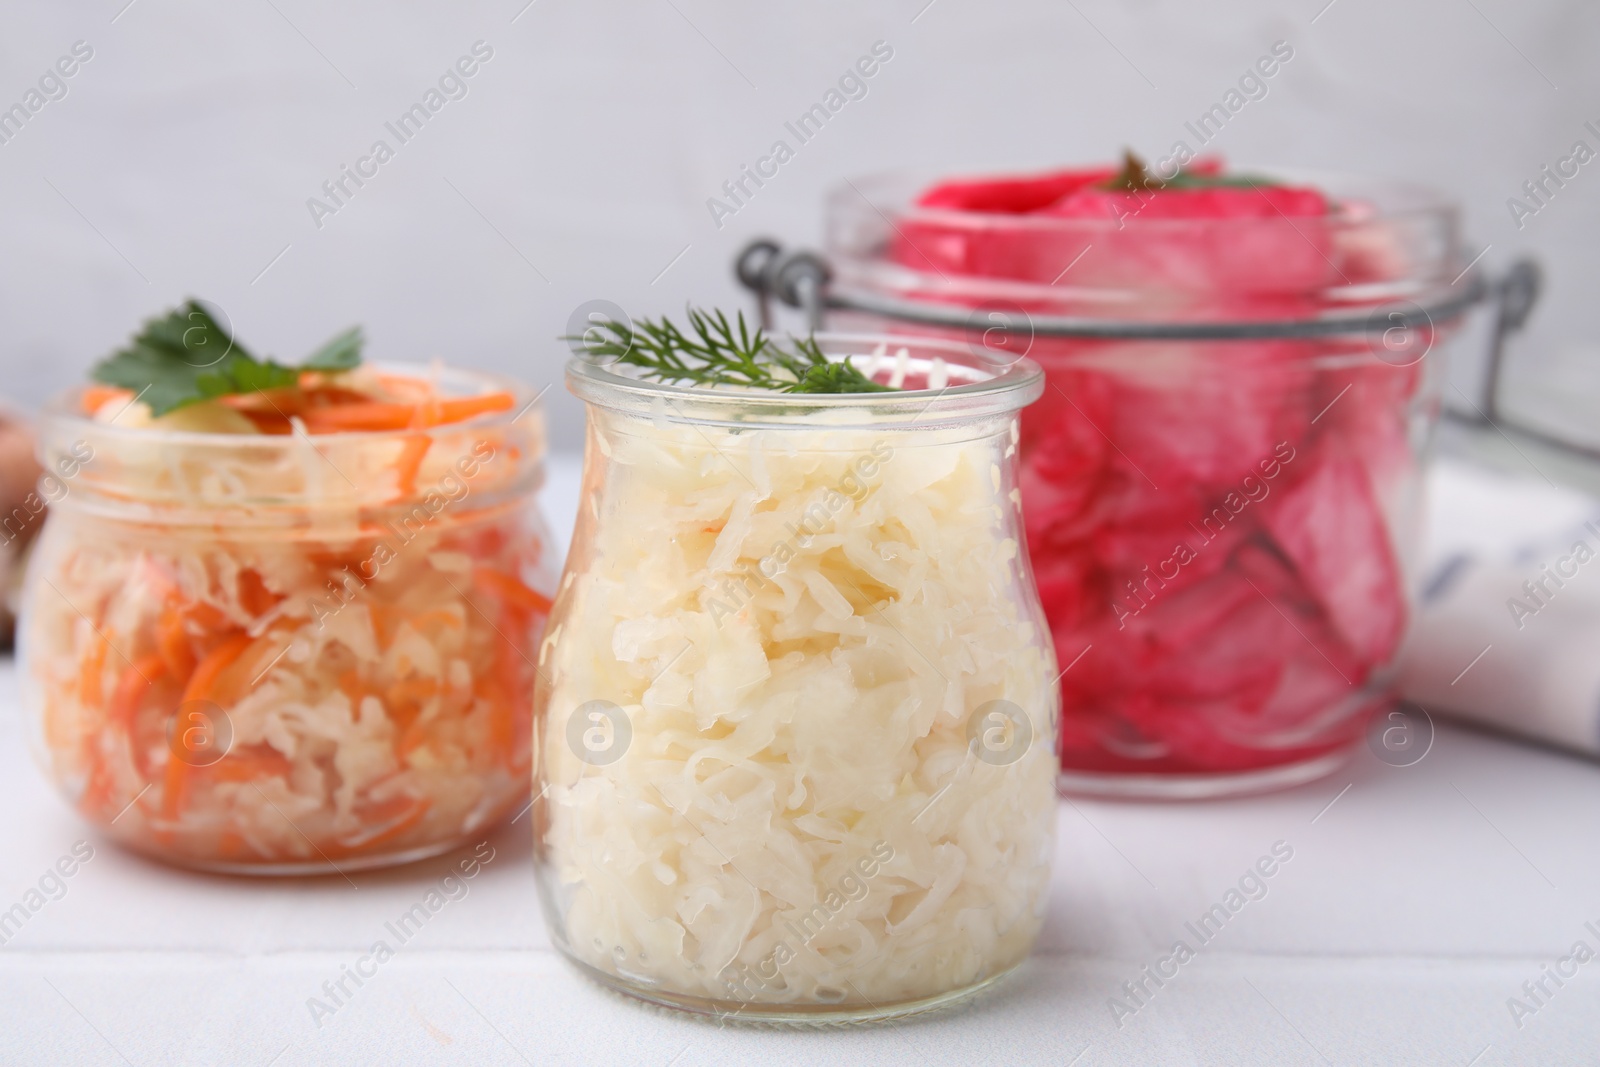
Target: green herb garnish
<point>185,357</point>
<point>722,353</point>
<point>1136,177</point>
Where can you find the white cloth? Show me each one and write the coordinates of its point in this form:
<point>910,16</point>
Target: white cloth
<point>1508,627</point>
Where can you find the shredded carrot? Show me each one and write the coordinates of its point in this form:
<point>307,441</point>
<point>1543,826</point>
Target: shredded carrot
<point>95,397</point>
<point>385,623</point>
<point>413,690</point>
<point>439,615</point>
<point>410,462</point>
<point>511,590</point>
<point>204,679</point>
<point>503,722</point>
<point>412,738</point>
<point>254,596</point>
<point>415,736</point>
<point>355,557</point>
<point>264,653</point>
<point>174,787</point>
<point>487,543</point>
<point>405,698</point>
<point>463,408</point>
<point>350,685</point>
<point>404,701</point>
<point>201,686</point>
<point>136,679</point>
<point>365,415</point>
<point>269,422</point>
<point>205,616</point>
<point>386,415</point>
<point>510,703</point>
<point>253,764</point>
<point>230,844</point>
<point>429,413</point>
<point>177,654</point>
<point>91,690</point>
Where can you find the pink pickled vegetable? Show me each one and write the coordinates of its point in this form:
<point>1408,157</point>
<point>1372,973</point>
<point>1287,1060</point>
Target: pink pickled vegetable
<point>1208,519</point>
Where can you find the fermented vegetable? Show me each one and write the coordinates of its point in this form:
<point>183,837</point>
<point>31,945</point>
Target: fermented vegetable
<point>797,704</point>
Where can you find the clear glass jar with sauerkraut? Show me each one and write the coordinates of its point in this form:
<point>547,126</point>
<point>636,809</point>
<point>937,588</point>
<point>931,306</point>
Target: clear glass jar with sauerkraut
<point>796,714</point>
<point>292,630</point>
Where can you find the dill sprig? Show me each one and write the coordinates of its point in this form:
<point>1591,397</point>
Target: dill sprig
<point>721,352</point>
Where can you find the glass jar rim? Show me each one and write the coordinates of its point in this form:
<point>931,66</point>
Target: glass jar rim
<point>862,211</point>
<point>1389,199</point>
<point>141,479</point>
<point>995,386</point>
<point>64,411</point>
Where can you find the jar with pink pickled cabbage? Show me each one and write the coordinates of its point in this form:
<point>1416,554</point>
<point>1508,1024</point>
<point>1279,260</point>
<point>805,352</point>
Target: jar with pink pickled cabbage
<point>1221,484</point>
<point>271,652</point>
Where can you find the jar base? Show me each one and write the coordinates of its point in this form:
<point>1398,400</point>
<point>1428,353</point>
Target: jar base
<point>1199,786</point>
<point>789,1015</point>
<point>300,868</point>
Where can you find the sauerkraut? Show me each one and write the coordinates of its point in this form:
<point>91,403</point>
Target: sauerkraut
<point>289,653</point>
<point>783,648</point>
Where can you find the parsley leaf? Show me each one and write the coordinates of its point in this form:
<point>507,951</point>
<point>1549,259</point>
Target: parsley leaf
<point>341,353</point>
<point>185,357</point>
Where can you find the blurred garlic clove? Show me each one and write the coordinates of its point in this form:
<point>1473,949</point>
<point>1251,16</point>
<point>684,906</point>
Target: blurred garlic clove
<point>22,510</point>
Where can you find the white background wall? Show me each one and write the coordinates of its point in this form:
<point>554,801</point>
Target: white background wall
<point>579,164</point>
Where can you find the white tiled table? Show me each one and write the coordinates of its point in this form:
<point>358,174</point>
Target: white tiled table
<point>1418,900</point>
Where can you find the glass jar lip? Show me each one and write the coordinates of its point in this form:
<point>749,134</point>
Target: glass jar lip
<point>1389,199</point>
<point>862,212</point>
<point>997,385</point>
<point>184,478</point>
<point>64,413</point>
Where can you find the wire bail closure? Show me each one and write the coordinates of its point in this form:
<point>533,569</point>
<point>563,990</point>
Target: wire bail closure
<point>801,279</point>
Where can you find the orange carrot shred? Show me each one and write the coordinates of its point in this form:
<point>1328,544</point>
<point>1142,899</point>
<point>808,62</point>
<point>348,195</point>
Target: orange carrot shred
<point>91,691</point>
<point>259,761</point>
<point>376,415</point>
<point>206,616</point>
<point>95,397</point>
<point>363,415</point>
<point>177,655</point>
<point>254,595</point>
<point>511,590</point>
<point>201,686</point>
<point>410,462</point>
<point>204,679</point>
<point>385,623</point>
<point>136,678</point>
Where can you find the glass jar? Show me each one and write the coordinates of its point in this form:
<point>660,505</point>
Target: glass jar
<point>1221,483</point>
<point>796,713</point>
<point>288,654</point>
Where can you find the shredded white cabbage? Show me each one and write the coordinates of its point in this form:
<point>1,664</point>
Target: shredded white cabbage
<point>797,626</point>
<point>375,643</point>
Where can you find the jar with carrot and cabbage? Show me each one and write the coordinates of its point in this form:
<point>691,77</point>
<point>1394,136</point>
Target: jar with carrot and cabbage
<point>284,619</point>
